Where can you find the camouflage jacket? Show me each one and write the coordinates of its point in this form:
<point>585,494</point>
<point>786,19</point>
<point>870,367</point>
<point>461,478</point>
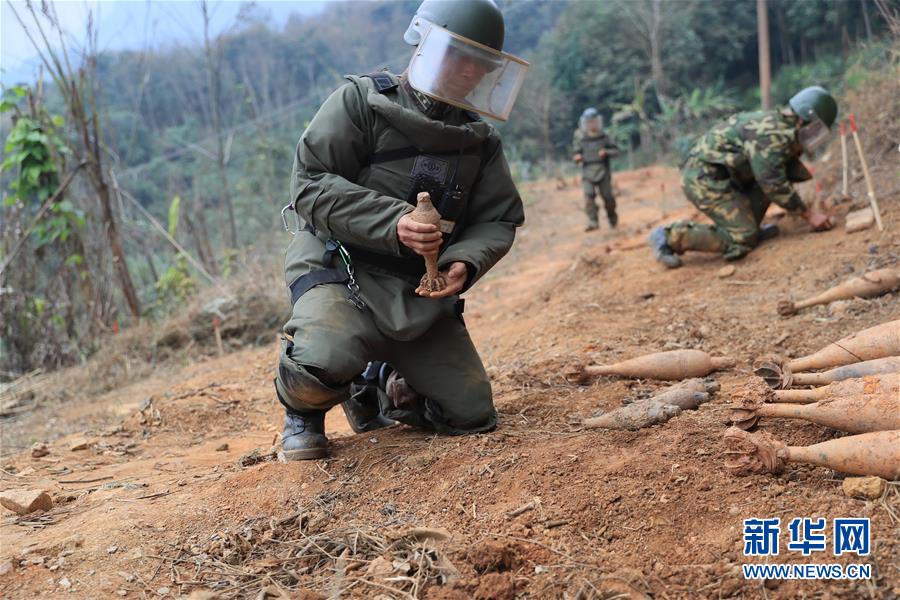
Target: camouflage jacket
<point>594,168</point>
<point>758,148</point>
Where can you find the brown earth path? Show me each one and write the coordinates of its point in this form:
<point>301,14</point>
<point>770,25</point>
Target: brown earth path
<point>140,511</point>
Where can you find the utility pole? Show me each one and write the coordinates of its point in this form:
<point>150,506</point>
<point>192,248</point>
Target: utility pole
<point>765,69</point>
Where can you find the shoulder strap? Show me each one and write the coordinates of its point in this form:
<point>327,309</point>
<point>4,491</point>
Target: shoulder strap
<point>384,83</point>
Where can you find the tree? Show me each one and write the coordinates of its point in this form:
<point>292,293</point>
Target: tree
<point>77,88</point>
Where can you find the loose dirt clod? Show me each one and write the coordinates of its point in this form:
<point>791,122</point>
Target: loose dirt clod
<point>868,488</point>
<point>23,502</point>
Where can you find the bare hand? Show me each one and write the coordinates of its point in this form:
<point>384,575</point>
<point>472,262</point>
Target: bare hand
<point>578,158</point>
<point>455,276</point>
<point>820,221</point>
<point>421,238</point>
<point>603,154</point>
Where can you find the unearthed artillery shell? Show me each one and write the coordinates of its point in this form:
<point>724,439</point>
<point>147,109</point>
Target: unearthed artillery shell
<point>634,416</point>
<point>683,399</point>
<point>872,384</point>
<point>875,342</point>
<point>673,365</point>
<point>869,285</point>
<point>853,414</point>
<point>425,212</point>
<point>779,378</point>
<point>890,364</point>
<point>876,453</point>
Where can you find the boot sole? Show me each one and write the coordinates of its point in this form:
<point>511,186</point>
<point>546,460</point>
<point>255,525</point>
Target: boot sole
<point>304,454</point>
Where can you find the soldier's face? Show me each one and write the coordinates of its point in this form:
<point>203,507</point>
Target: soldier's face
<point>592,125</point>
<point>459,74</point>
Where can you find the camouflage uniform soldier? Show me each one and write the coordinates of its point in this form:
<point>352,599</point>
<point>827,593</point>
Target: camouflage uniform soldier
<point>354,268</point>
<point>738,168</point>
<point>591,149</point>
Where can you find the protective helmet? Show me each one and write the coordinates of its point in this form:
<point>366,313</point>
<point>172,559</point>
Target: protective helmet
<point>459,56</point>
<point>476,20</point>
<point>817,110</point>
<point>813,102</point>
<point>589,113</point>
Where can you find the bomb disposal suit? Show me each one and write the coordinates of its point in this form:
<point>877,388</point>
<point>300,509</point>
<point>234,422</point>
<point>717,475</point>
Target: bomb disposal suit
<point>359,328</point>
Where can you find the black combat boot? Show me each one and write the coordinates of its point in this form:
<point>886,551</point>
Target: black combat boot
<point>661,249</point>
<point>613,218</point>
<point>304,435</point>
<point>768,231</point>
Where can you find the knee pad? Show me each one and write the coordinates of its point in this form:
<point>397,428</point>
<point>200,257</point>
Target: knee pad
<point>298,386</point>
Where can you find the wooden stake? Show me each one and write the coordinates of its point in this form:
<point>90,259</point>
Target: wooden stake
<point>844,159</point>
<point>862,158</point>
<point>216,323</point>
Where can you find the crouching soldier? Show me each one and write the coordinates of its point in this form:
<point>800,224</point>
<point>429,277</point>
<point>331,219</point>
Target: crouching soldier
<point>738,168</point>
<point>354,267</point>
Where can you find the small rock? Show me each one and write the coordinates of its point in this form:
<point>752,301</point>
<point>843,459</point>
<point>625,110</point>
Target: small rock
<point>39,449</point>
<point>23,502</point>
<point>222,448</point>
<point>726,271</point>
<point>112,549</point>
<point>25,472</point>
<point>162,591</point>
<point>6,567</point>
<point>380,568</point>
<point>122,593</point>
<point>868,488</point>
<point>80,444</point>
<point>65,583</point>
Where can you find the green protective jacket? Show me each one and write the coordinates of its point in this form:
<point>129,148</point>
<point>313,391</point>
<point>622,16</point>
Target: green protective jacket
<point>339,190</point>
<point>593,168</point>
<point>757,148</point>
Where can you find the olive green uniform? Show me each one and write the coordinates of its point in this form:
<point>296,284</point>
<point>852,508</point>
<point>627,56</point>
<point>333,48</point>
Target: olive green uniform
<point>732,174</point>
<point>596,176</point>
<point>352,182</point>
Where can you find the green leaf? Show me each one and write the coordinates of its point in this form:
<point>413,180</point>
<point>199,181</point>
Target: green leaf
<point>173,215</point>
<point>39,305</point>
<point>75,259</point>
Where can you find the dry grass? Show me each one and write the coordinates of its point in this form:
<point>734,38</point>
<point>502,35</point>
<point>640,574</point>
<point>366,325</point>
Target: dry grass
<point>282,557</point>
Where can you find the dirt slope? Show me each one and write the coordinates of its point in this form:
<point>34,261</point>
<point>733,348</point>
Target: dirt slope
<point>157,506</point>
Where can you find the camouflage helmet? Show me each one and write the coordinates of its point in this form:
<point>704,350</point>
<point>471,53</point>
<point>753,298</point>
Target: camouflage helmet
<point>476,20</point>
<point>813,102</point>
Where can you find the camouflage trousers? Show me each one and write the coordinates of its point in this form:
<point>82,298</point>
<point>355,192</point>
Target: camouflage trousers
<point>736,214</point>
<point>590,189</point>
<point>331,342</point>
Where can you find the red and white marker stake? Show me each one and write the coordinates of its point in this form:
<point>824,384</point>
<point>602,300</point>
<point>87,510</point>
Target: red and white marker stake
<point>844,191</point>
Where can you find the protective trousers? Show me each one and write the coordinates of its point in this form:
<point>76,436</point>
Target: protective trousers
<point>736,214</point>
<point>330,342</point>
<point>604,187</point>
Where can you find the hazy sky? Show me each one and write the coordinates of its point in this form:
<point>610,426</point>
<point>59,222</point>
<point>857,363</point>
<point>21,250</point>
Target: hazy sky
<point>131,24</point>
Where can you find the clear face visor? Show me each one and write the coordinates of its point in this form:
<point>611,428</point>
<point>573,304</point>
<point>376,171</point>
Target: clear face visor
<point>467,74</point>
<point>814,136</point>
<point>591,124</point>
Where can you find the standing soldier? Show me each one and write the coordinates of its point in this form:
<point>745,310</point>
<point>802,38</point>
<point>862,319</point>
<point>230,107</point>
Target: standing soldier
<point>354,268</point>
<point>741,165</point>
<point>591,149</point>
